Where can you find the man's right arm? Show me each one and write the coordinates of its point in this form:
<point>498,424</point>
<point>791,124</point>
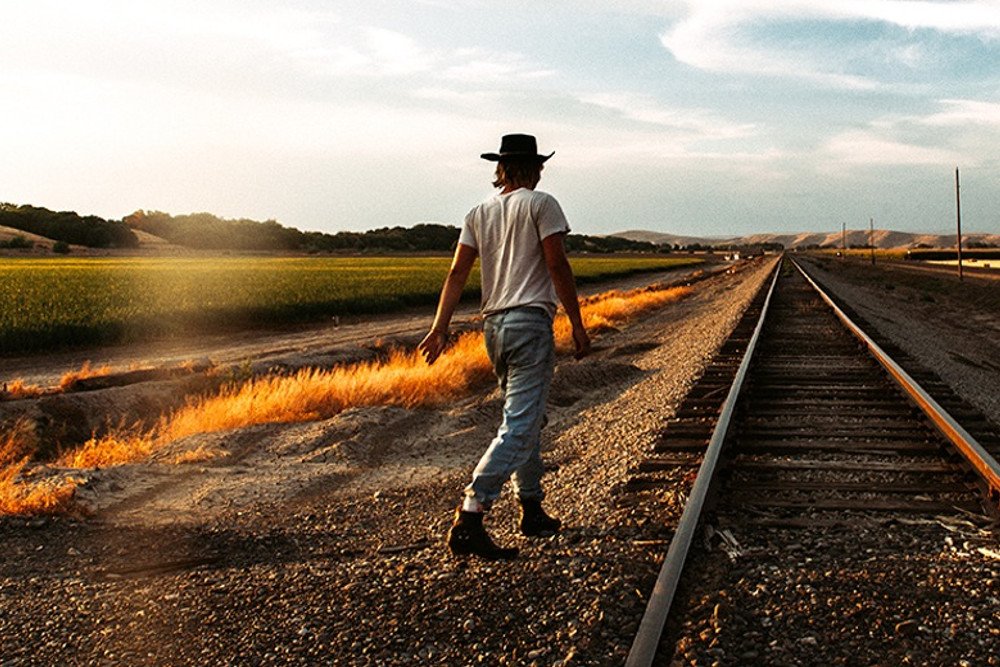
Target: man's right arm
<point>434,342</point>
<point>562,279</point>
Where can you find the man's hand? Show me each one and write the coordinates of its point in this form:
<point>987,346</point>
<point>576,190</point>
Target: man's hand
<point>433,345</point>
<point>581,341</point>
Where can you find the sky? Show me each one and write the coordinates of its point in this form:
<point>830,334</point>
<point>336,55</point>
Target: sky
<point>694,117</point>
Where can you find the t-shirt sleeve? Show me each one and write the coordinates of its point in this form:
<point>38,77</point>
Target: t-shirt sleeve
<point>468,235</point>
<point>551,219</point>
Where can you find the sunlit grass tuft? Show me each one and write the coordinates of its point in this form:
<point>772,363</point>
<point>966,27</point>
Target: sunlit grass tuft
<point>69,380</point>
<point>21,497</point>
<point>199,455</point>
<point>122,445</point>
<point>20,389</point>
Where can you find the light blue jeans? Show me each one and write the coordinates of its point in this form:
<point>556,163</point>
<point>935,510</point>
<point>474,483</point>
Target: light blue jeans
<point>520,345</point>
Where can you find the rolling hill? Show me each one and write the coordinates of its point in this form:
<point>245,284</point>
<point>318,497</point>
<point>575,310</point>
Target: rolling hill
<point>884,238</point>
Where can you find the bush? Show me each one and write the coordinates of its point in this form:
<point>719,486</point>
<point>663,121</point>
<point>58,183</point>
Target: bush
<point>17,242</point>
<point>61,247</point>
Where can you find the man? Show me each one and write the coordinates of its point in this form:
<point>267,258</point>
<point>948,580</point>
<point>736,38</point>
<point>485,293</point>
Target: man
<point>518,236</point>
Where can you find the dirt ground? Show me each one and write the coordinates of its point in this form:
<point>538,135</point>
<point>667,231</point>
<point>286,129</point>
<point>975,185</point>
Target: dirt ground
<point>322,542</point>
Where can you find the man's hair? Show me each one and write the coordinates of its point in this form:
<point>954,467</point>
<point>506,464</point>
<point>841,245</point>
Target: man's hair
<point>517,173</point>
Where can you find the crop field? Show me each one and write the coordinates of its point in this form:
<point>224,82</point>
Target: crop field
<point>47,303</point>
<point>862,253</point>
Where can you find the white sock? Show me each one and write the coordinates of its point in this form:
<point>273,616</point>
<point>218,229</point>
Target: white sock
<point>470,504</point>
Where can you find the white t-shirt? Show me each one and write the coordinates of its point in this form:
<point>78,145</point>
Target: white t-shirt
<point>507,231</point>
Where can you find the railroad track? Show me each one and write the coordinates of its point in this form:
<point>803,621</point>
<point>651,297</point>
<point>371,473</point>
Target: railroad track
<point>808,437</point>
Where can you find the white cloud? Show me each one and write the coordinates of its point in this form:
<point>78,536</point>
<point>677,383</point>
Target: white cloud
<point>865,147</point>
<point>481,69</point>
<point>965,112</point>
<point>458,98</point>
<point>981,17</point>
<point>963,132</point>
<point>396,54</point>
<point>709,36</point>
<point>690,123</point>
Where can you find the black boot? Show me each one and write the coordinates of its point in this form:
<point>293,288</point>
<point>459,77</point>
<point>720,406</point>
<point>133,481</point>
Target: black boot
<point>468,536</point>
<point>535,522</point>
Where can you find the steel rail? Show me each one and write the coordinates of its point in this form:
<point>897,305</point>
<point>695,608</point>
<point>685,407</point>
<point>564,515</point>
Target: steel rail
<point>647,637</point>
<point>973,452</point>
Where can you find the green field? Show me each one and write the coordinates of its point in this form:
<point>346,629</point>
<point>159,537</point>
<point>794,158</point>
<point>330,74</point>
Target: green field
<point>48,303</point>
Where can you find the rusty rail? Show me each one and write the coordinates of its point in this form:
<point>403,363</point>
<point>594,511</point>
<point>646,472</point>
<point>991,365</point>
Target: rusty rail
<point>984,464</point>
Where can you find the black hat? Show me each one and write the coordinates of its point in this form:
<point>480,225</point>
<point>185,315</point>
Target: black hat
<point>517,147</point>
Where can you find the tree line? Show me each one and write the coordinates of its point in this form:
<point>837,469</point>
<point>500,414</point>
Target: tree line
<point>68,226</point>
<point>209,232</point>
<point>205,231</point>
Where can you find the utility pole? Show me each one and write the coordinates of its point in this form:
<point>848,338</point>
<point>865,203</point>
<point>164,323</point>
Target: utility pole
<point>958,220</point>
<point>871,237</point>
<point>843,240</point>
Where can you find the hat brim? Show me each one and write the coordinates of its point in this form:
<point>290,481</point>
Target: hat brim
<point>496,157</point>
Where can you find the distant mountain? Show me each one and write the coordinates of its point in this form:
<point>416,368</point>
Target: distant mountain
<point>884,238</point>
<point>658,238</point>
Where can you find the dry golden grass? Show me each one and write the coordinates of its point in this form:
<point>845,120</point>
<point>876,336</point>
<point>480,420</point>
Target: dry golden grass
<point>68,380</point>
<point>189,365</point>
<point>17,496</point>
<point>610,310</point>
<point>17,442</point>
<point>403,379</point>
<point>19,389</point>
<point>123,445</point>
